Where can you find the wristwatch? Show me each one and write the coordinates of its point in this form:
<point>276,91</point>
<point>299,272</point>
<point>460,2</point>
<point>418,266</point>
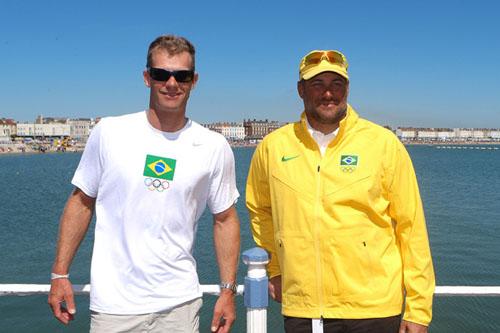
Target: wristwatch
<point>228,285</point>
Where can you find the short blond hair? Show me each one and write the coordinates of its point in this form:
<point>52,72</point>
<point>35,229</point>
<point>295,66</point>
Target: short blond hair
<point>172,45</point>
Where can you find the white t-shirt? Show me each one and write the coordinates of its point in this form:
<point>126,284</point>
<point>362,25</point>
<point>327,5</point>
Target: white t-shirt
<point>151,189</point>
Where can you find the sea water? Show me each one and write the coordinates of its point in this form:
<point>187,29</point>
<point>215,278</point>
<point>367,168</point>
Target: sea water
<point>460,190</point>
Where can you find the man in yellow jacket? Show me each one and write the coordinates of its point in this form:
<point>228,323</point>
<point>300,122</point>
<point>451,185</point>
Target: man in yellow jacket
<point>334,199</point>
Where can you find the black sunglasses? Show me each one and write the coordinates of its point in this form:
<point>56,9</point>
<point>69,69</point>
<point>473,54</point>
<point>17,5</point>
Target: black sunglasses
<point>160,74</point>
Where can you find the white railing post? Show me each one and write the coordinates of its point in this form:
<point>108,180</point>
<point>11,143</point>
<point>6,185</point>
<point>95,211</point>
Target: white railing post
<point>256,294</point>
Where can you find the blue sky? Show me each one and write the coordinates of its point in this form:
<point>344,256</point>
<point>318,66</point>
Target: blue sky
<point>418,63</point>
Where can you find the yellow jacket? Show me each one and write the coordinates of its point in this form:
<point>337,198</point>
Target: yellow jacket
<point>347,230</point>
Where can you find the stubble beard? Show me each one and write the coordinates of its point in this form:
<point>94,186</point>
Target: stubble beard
<point>332,116</point>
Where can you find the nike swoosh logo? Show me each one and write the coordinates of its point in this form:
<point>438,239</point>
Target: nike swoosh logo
<point>286,159</point>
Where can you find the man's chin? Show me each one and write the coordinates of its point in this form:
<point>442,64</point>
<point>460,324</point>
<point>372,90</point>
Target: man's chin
<point>330,116</point>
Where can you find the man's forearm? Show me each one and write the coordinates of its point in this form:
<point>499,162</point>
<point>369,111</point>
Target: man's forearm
<point>73,226</point>
<point>227,243</point>
<point>227,248</point>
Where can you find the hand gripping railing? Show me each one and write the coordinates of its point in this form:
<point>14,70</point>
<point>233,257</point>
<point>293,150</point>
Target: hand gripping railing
<point>254,291</point>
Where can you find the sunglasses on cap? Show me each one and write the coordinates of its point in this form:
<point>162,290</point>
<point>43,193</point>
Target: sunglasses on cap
<point>160,74</point>
<point>332,57</point>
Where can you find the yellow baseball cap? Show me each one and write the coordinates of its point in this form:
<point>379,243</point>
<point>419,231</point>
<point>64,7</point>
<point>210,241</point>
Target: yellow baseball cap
<point>319,61</point>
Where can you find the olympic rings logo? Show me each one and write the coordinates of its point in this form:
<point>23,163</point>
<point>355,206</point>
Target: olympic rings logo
<point>349,169</point>
<point>154,184</point>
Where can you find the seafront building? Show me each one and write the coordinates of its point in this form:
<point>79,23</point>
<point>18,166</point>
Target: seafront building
<point>51,127</point>
<point>78,130</point>
<point>7,129</point>
<point>45,134</point>
<point>42,131</point>
<point>231,131</point>
<point>257,129</point>
<point>433,135</point>
<point>250,130</point>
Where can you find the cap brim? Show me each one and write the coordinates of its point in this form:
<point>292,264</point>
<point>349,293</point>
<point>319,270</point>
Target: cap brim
<point>324,67</point>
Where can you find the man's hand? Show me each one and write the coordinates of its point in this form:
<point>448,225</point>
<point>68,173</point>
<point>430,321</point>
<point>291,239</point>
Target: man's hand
<point>275,288</point>
<point>224,312</point>
<point>409,327</point>
<point>61,291</point>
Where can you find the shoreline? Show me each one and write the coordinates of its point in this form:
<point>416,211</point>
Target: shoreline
<point>22,149</point>
<point>452,143</point>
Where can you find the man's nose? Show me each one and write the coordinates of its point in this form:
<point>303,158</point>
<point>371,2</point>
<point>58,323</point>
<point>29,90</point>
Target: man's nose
<point>328,93</point>
<point>171,82</point>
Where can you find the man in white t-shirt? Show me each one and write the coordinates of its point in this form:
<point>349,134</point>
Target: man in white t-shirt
<point>149,176</point>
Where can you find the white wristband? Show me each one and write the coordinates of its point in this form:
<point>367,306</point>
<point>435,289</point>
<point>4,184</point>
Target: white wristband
<point>54,276</point>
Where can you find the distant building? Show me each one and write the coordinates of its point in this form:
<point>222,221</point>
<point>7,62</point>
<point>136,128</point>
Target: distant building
<point>445,134</point>
<point>406,133</point>
<point>463,134</point>
<point>480,134</point>
<point>51,120</point>
<point>57,127</point>
<point>234,131</point>
<point>495,134</point>
<point>34,130</point>
<point>426,134</point>
<point>80,128</point>
<point>231,131</point>
<point>258,129</point>
<point>7,129</point>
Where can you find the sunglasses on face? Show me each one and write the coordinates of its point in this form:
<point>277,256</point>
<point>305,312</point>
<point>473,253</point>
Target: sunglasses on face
<point>160,74</point>
<point>332,57</point>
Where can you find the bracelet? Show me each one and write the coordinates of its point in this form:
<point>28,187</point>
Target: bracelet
<point>54,276</point>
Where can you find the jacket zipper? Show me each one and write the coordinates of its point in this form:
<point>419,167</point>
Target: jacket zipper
<point>317,243</point>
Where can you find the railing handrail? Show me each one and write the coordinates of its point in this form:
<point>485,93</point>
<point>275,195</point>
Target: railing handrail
<point>213,289</point>
<point>83,289</point>
<point>467,291</point>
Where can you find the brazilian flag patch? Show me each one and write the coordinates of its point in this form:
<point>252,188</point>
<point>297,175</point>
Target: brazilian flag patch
<point>351,160</point>
<point>159,167</point>
<point>348,163</point>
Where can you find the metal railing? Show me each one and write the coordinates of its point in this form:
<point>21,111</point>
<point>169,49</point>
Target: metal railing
<point>254,290</point>
<point>213,289</point>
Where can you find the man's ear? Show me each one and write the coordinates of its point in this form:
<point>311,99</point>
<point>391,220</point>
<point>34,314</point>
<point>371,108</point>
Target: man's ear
<point>300,88</point>
<point>195,80</point>
<point>147,78</point>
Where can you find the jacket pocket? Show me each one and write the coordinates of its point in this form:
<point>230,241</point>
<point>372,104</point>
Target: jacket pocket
<point>297,269</point>
<point>351,262</point>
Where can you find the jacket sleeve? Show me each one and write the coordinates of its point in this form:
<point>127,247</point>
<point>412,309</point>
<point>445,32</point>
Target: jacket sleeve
<point>407,212</point>
<point>258,201</point>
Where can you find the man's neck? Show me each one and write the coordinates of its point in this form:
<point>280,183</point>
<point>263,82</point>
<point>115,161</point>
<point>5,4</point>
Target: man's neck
<point>321,127</point>
<point>325,131</point>
<point>325,128</point>
<point>166,121</point>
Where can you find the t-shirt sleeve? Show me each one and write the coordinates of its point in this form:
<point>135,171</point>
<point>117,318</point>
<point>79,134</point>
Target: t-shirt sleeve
<point>88,174</point>
<point>222,191</point>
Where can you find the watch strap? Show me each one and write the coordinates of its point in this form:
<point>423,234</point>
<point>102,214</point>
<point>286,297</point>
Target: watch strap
<point>228,285</point>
